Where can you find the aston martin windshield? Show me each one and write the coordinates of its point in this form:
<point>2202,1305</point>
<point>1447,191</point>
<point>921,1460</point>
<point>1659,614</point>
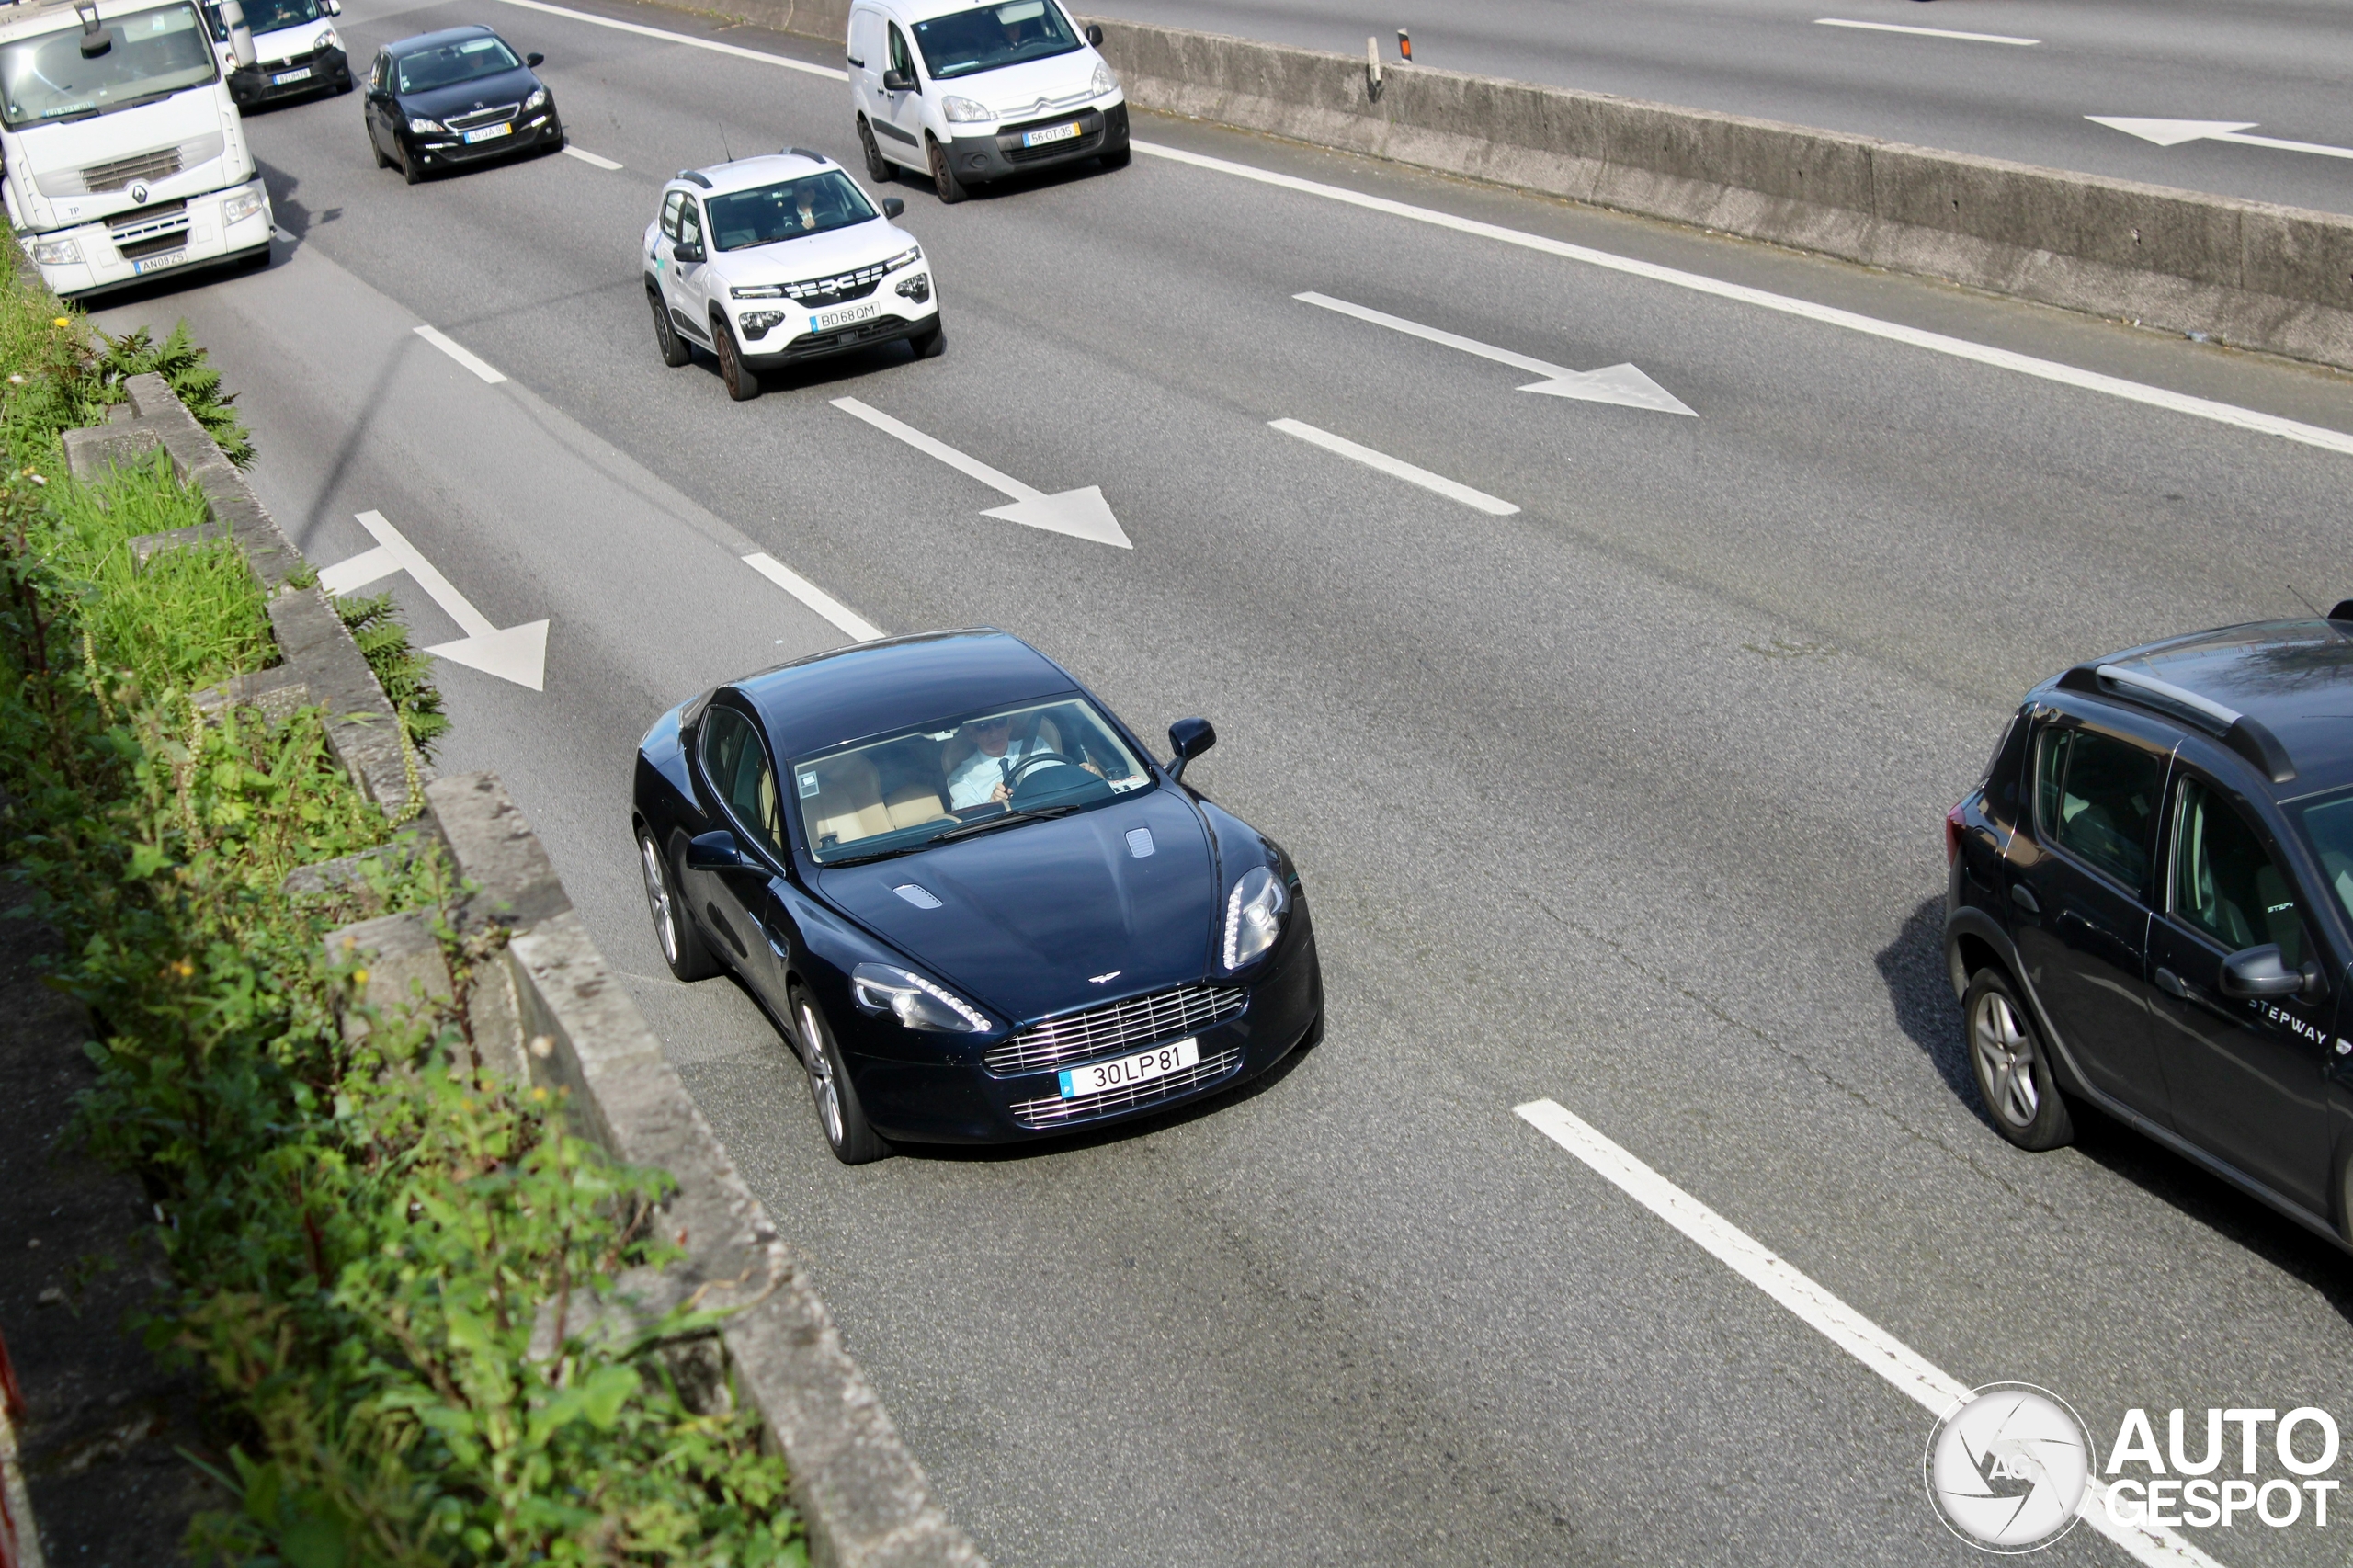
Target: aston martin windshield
<point>452,63</point>
<point>992,36</point>
<point>150,54</point>
<point>787,211</point>
<point>902,792</point>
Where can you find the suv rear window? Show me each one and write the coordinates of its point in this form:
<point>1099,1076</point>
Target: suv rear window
<point>2096,796</point>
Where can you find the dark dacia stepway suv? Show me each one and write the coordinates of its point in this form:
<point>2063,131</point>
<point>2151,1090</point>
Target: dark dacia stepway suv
<point>2151,908</point>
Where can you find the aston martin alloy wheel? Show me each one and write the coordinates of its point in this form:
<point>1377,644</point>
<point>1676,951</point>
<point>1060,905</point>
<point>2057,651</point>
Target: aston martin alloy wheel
<point>681,944</point>
<point>846,1133</point>
<point>2013,1074</point>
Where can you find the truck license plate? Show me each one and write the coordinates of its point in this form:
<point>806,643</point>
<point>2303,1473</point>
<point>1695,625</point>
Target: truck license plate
<point>157,263</point>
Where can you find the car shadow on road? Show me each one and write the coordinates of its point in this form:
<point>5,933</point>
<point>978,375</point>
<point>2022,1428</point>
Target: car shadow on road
<point>1913,966</point>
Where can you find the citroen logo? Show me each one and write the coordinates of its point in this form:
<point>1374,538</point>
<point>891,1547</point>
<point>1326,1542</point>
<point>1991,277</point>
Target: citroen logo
<point>1038,107</point>
<point>138,193</point>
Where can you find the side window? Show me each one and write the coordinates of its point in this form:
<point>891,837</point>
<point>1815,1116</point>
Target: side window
<point>2096,796</point>
<point>670,206</point>
<point>689,221</point>
<point>2224,882</point>
<point>901,61</point>
<point>382,74</point>
<point>738,766</point>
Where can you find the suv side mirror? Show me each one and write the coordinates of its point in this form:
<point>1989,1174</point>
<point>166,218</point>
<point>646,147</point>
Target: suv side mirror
<point>897,81</point>
<point>892,207</point>
<point>534,61</point>
<point>716,851</point>
<point>1189,738</point>
<point>685,252</point>
<point>1095,34</point>
<point>2254,972</point>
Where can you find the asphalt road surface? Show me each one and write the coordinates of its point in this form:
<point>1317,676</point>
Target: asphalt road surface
<point>2280,66</point>
<point>1628,799</point>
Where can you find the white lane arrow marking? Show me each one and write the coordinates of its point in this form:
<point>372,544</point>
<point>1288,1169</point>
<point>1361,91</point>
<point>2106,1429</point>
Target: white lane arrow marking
<point>518,654</point>
<point>2174,132</point>
<point>1081,514</point>
<point>1621,384</point>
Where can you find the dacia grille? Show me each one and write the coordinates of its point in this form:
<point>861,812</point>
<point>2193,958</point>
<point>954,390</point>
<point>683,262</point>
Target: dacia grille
<point>837,290</point>
<point>1115,1026</point>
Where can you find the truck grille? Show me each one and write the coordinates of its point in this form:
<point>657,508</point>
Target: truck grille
<point>1119,1025</point>
<point>477,119</point>
<point>149,231</point>
<point>837,289</point>
<point>1052,1110</point>
<point>121,173</point>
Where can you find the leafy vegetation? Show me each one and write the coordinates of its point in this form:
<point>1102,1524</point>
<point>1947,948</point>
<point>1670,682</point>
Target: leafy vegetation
<point>403,673</point>
<point>366,1230</point>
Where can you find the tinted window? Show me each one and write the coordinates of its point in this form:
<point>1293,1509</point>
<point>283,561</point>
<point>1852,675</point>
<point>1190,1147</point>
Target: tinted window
<point>454,63</point>
<point>738,766</point>
<point>2096,796</point>
<point>2330,827</point>
<point>2224,882</point>
<point>786,211</point>
<point>993,36</point>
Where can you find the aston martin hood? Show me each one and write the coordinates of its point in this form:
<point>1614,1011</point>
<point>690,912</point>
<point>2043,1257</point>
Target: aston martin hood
<point>1054,914</point>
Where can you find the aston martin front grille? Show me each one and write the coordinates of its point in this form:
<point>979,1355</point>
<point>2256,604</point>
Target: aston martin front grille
<point>1116,1027</point>
<point>1052,1110</point>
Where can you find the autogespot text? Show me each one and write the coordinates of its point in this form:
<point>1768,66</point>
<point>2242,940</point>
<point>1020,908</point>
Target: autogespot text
<point>2190,1482</point>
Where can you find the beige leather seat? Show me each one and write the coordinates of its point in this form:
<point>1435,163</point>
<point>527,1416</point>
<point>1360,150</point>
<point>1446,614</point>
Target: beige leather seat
<point>912,803</point>
<point>848,803</point>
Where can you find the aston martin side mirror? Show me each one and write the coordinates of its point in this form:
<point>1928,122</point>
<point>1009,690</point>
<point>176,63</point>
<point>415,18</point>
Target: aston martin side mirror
<point>892,207</point>
<point>1189,738</point>
<point>715,851</point>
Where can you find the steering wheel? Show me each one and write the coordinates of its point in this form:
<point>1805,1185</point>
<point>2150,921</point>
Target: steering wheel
<point>1035,759</point>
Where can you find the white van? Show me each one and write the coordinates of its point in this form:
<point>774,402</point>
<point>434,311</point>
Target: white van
<point>967,94</point>
<point>124,155</point>
<point>296,51</point>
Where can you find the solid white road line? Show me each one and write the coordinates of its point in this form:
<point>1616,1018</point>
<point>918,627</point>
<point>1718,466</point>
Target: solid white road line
<point>1935,342</point>
<point>857,628</point>
<point>1904,1368</point>
<point>368,566</point>
<point>461,355</point>
<point>590,158</point>
<point>1477,499</point>
<point>666,37</point>
<point>1081,514</point>
<point>1613,383</point>
<point>1926,32</point>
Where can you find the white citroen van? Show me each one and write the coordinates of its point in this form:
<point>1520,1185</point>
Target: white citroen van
<point>967,94</point>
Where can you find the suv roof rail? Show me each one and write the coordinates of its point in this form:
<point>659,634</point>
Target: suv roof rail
<point>694,177</point>
<point>2247,736</point>
<point>817,158</point>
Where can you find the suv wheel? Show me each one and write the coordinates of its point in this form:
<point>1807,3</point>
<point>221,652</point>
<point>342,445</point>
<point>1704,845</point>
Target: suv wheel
<point>846,1133</point>
<point>2013,1077</point>
<point>743,381</point>
<point>943,178</point>
<point>667,341</point>
<point>877,167</point>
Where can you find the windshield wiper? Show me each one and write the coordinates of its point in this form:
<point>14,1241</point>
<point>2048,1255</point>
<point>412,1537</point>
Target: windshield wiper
<point>986,824</point>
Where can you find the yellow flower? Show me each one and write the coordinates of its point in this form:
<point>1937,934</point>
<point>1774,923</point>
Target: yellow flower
<point>359,977</point>
<point>538,1093</point>
<point>63,321</point>
<point>184,969</point>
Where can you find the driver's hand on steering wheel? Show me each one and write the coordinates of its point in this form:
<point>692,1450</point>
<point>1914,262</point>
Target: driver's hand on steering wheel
<point>1002,795</point>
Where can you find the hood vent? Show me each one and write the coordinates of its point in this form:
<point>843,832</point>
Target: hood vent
<point>918,894</point>
<point>1140,842</point>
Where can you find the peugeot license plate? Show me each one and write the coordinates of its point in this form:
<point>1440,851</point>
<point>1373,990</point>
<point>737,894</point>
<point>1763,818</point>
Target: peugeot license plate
<point>157,263</point>
<point>1140,1068</point>
<point>1052,133</point>
<point>841,315</point>
<point>488,133</point>
<point>285,76</point>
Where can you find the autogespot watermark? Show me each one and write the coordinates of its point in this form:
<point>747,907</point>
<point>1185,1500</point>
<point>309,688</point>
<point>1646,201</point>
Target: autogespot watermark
<point>2008,1468</point>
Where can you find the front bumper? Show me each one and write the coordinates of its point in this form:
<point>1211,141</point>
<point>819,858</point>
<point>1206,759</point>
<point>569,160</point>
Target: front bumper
<point>898,318</point>
<point>999,153</point>
<point>447,150</point>
<point>328,71</point>
<point>962,1101</point>
<point>135,247</point>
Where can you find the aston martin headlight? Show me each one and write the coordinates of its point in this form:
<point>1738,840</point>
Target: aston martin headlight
<point>426,127</point>
<point>965,111</point>
<point>538,95</point>
<point>1253,916</point>
<point>1104,81</point>
<point>919,1004</point>
<point>758,291</point>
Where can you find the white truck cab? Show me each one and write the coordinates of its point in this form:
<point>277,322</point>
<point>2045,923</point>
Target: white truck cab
<point>123,154</point>
<point>967,94</point>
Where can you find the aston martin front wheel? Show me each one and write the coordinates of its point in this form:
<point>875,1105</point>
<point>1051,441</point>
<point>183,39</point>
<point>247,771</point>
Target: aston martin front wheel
<point>674,929</point>
<point>846,1133</point>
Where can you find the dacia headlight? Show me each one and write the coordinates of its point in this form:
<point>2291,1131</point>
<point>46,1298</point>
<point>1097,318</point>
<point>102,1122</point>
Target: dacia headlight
<point>538,95</point>
<point>913,253</point>
<point>919,1004</point>
<point>57,252</point>
<point>1253,916</point>
<point>758,291</point>
<point>242,206</point>
<point>1104,81</point>
<point>963,111</point>
<point>326,40</point>
<point>426,127</point>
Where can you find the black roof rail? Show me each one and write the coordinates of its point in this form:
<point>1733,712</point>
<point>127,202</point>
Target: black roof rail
<point>806,153</point>
<point>695,176</point>
<point>2247,736</point>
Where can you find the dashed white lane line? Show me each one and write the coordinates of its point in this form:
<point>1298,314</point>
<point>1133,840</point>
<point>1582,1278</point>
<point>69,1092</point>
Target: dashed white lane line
<point>462,355</point>
<point>590,158</point>
<point>1935,342</point>
<point>1904,1368</point>
<point>666,37</point>
<point>857,628</point>
<point>1453,491</point>
<point>1926,32</point>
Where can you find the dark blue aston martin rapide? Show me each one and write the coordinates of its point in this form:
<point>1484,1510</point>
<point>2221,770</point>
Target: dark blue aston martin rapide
<point>983,910</point>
